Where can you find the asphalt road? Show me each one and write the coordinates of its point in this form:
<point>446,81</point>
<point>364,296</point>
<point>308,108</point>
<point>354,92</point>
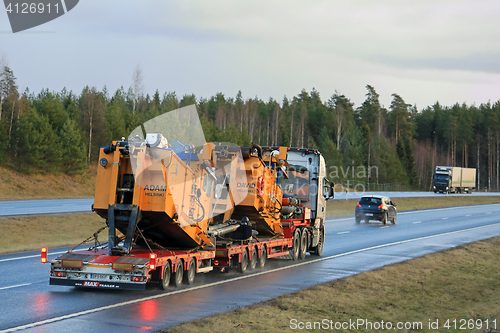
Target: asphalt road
<point>34,207</point>
<point>29,303</point>
<point>359,194</point>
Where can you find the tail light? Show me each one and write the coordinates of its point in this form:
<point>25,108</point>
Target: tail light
<point>44,255</point>
<point>381,206</point>
<point>152,261</point>
<point>137,278</point>
<point>358,205</point>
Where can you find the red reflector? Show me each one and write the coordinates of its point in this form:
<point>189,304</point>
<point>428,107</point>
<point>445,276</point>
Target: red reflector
<point>44,255</point>
<point>152,261</point>
<point>358,205</point>
<point>60,274</point>
<point>216,262</point>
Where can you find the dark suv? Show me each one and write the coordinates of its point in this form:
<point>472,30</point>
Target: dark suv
<point>375,207</point>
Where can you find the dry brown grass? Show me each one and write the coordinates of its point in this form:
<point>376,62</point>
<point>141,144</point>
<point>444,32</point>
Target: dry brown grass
<point>19,186</point>
<point>28,233</point>
<point>340,208</point>
<point>460,283</point>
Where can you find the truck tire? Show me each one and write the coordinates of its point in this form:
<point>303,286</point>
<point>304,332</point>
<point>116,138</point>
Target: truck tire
<point>296,245</point>
<point>179,273</point>
<point>167,272</point>
<point>303,244</point>
<point>263,257</point>
<point>243,265</point>
<point>319,248</point>
<point>189,277</point>
<point>253,261</point>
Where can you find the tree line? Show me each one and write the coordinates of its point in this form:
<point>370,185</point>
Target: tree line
<point>62,131</point>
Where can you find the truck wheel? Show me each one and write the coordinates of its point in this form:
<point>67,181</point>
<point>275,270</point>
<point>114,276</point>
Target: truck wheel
<point>263,257</point>
<point>253,261</point>
<point>303,244</point>
<point>384,220</point>
<point>189,277</point>
<point>167,272</point>
<point>179,273</point>
<point>296,245</point>
<point>319,248</point>
<point>243,265</point>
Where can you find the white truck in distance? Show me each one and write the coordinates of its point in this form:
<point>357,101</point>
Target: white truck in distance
<point>454,180</point>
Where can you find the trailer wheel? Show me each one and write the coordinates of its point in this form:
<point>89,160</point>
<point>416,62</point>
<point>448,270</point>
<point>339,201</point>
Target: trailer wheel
<point>243,265</point>
<point>179,272</point>
<point>263,257</point>
<point>167,272</point>
<point>253,261</point>
<point>189,277</point>
<point>296,245</point>
<point>319,248</point>
<point>303,244</point>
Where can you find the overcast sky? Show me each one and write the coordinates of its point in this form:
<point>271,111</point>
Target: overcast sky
<point>425,51</point>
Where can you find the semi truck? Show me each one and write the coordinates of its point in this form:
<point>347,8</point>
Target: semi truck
<point>175,209</point>
<point>454,180</point>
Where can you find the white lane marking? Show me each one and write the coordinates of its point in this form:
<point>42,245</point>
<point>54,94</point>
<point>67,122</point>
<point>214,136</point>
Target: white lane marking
<point>38,255</point>
<point>15,286</point>
<point>8,207</point>
<point>384,227</point>
<point>488,212</point>
<point>417,222</point>
<point>445,218</point>
<point>343,232</point>
<point>213,284</point>
<point>467,215</point>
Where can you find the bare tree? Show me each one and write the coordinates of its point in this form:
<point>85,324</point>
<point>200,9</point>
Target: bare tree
<point>138,85</point>
<point>3,81</point>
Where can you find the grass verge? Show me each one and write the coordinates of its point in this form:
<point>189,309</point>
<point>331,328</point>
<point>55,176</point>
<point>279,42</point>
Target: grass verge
<point>340,208</point>
<point>19,186</point>
<point>460,283</point>
<point>28,233</point>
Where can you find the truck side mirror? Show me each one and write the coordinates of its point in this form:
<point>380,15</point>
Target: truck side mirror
<point>332,190</point>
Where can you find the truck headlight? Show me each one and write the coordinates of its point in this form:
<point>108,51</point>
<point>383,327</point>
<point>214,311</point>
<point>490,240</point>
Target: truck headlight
<point>434,187</point>
<point>446,187</point>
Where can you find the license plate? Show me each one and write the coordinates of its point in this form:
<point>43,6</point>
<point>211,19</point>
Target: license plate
<point>368,214</point>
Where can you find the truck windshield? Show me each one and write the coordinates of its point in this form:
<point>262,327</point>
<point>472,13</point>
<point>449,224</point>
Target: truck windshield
<point>297,184</point>
<point>441,177</point>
